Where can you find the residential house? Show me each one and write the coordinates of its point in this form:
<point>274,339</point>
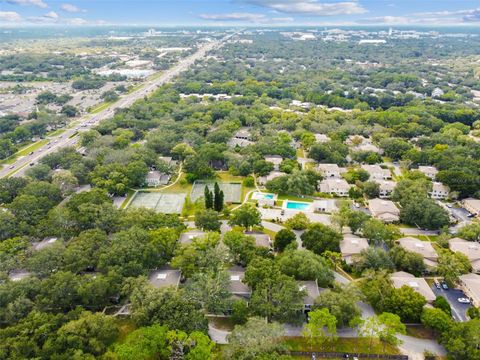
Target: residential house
<point>402,278</point>
<point>352,245</point>
<point>276,160</point>
<point>312,292</point>
<point>428,171</point>
<point>273,175</point>
<point>188,236</point>
<point>437,92</point>
<point>424,248</point>
<point>321,138</point>
<point>165,277</point>
<point>386,188</point>
<point>325,205</point>
<point>355,140</point>
<point>17,275</point>
<point>368,147</point>
<point>45,243</point>
<point>384,210</point>
<point>155,178</point>
<point>237,287</point>
<point>470,284</point>
<point>242,138</point>
<point>338,187</point>
<point>470,249</point>
<point>472,206</point>
<point>261,239</point>
<point>439,191</point>
<point>330,170</point>
<point>376,172</point>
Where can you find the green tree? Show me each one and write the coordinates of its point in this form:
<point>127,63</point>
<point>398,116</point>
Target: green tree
<point>166,306</point>
<point>254,339</point>
<point>405,302</point>
<point>305,265</point>
<point>377,232</point>
<point>241,246</point>
<point>320,238</point>
<point>298,221</point>
<point>341,302</point>
<point>461,341</point>
<point>284,238</point>
<point>436,319</point>
<point>321,327</point>
<point>207,220</point>
<point>275,296</point>
<point>247,216</point>
<point>452,265</point>
<point>91,334</point>
<point>211,289</point>
<point>441,303</point>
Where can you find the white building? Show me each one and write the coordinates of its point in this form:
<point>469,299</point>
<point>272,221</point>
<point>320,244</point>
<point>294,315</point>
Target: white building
<point>338,187</point>
<point>384,210</point>
<point>386,188</point>
<point>439,191</point>
<point>376,172</point>
<point>437,92</point>
<point>276,160</point>
<point>428,171</point>
<point>330,170</point>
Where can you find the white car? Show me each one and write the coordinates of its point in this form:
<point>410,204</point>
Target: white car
<point>464,300</point>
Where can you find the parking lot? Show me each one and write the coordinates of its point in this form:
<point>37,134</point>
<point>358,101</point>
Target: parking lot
<point>459,310</point>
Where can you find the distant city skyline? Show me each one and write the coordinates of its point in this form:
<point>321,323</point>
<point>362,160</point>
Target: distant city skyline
<point>239,12</point>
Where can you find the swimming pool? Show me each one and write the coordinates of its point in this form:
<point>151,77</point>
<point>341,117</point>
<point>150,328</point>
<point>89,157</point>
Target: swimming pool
<point>261,196</point>
<point>296,205</point>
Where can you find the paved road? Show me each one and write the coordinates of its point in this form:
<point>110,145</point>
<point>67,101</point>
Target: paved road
<point>70,136</point>
<point>459,310</point>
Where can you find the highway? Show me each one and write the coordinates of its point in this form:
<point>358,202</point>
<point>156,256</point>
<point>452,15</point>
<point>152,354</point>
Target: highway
<point>70,136</point>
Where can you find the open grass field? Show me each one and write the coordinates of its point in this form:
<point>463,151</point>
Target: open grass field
<point>358,345</point>
<point>231,190</point>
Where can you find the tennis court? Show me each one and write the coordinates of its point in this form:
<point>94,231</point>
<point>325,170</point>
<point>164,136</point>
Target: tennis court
<point>232,191</point>
<point>160,202</point>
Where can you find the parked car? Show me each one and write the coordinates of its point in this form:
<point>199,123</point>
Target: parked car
<point>444,285</point>
<point>437,284</point>
<point>464,300</point>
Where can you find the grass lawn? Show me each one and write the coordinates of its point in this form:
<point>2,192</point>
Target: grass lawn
<point>360,345</point>
<point>101,107</point>
<point>24,151</point>
<point>126,326</point>
<point>420,332</point>
<point>300,152</point>
<point>56,132</point>
<point>294,198</point>
<point>225,176</point>
<point>127,199</point>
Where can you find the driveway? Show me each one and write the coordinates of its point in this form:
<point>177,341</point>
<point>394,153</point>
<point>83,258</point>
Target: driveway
<point>459,310</point>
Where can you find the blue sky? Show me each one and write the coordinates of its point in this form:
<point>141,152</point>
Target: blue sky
<point>240,12</point>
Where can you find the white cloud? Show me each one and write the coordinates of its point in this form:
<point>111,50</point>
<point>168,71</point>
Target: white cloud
<point>71,8</point>
<point>10,16</point>
<point>51,15</point>
<point>311,7</point>
<point>77,21</point>
<point>250,17</point>
<point>38,3</point>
